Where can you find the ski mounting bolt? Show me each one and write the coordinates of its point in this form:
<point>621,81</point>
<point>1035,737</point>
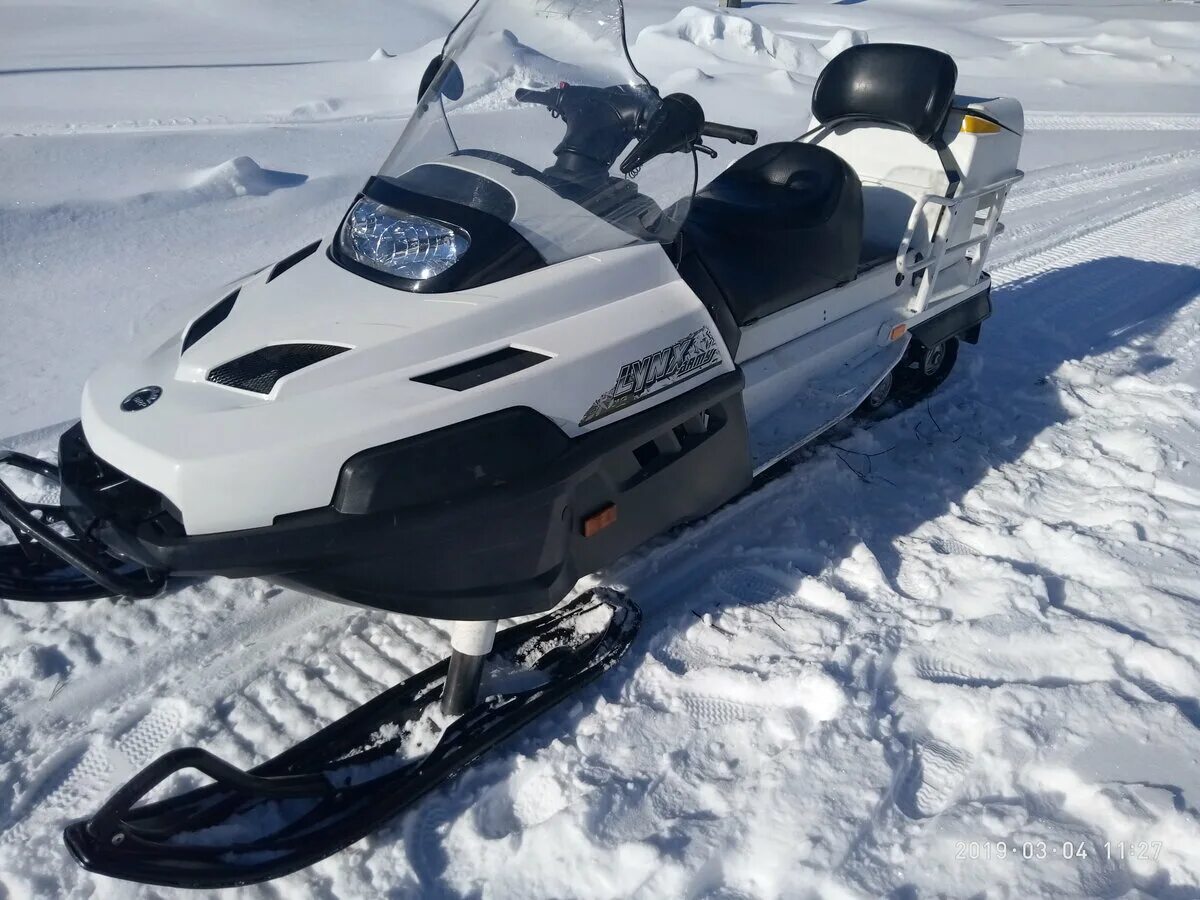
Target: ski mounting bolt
<point>118,838</point>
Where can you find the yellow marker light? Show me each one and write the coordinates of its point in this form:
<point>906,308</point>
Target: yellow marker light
<point>976,125</point>
<point>897,332</point>
<point>598,521</point>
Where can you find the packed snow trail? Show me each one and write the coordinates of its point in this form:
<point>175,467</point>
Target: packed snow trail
<point>985,607</point>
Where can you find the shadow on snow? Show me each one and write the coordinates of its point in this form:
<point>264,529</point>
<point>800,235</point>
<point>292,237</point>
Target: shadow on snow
<point>1000,398</point>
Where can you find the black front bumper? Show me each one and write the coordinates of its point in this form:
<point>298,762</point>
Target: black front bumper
<point>494,552</point>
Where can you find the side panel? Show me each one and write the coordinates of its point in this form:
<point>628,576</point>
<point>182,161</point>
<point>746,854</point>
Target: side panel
<point>871,288</point>
<point>621,330</point>
<point>799,388</point>
<point>818,377</point>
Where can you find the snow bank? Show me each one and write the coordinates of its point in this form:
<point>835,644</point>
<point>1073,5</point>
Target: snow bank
<point>240,176</point>
<point>735,39</point>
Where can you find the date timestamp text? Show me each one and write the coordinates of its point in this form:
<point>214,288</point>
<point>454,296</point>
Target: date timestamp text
<point>1040,850</point>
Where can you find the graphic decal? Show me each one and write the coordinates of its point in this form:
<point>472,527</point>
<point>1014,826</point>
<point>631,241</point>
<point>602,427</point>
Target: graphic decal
<point>645,377</point>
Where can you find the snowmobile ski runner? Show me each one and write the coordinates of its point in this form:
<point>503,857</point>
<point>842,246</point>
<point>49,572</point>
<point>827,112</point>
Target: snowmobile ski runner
<point>530,346</point>
<point>346,780</point>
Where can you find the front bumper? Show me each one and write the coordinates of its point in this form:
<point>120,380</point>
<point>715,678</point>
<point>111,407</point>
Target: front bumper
<point>497,552</point>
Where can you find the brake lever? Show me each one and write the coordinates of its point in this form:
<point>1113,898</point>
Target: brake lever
<point>708,151</point>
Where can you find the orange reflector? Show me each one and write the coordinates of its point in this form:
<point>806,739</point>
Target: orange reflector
<point>976,125</point>
<point>598,521</point>
<point>897,332</point>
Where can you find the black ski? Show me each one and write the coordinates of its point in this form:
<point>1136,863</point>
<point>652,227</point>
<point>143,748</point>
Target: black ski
<point>343,782</point>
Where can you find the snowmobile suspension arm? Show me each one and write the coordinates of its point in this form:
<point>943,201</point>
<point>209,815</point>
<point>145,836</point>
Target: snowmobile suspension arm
<point>78,552</point>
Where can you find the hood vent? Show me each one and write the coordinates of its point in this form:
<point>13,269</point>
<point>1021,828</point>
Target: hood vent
<point>209,321</point>
<point>260,370</point>
<point>474,372</point>
<point>288,261</point>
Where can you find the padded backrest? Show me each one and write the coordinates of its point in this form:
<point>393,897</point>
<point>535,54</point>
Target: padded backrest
<point>903,85</point>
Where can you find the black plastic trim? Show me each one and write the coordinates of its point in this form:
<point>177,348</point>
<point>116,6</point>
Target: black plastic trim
<point>288,261</point>
<point>260,370</point>
<point>497,251</point>
<point>440,465</point>
<point>958,320</point>
<point>80,552</point>
<point>205,323</point>
<point>696,275</point>
<point>505,547</point>
<point>460,186</point>
<point>483,369</point>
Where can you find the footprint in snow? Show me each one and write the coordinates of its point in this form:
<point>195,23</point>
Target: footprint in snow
<point>933,779</point>
<point>717,710</point>
<point>424,842</point>
<point>925,614</point>
<point>752,587</point>
<point>987,667</point>
<point>748,586</point>
<point>951,547</point>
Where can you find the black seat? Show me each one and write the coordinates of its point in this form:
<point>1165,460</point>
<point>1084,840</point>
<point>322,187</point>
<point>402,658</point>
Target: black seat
<point>780,225</point>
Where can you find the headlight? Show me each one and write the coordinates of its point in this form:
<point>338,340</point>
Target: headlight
<point>399,243</point>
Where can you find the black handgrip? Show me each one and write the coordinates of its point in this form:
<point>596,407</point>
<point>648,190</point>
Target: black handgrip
<point>105,825</point>
<point>545,98</point>
<point>730,133</point>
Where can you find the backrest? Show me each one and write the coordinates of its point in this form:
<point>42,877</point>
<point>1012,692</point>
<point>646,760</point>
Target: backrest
<point>884,108</point>
<point>909,87</point>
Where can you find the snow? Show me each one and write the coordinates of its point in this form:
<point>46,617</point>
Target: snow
<point>975,621</point>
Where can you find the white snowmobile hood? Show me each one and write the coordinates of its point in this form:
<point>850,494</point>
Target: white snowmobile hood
<point>231,459</point>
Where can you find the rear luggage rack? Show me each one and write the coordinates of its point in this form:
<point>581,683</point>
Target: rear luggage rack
<point>987,201</point>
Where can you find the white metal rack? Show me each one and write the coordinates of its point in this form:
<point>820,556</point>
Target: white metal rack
<point>985,206</point>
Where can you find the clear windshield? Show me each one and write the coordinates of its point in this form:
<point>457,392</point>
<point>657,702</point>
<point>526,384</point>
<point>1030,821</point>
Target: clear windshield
<point>541,98</point>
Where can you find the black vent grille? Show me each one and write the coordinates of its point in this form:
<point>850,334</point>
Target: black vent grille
<point>258,371</point>
<point>475,372</point>
<point>209,321</point>
<point>288,261</point>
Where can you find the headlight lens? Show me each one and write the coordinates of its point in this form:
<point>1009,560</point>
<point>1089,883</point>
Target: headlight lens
<point>400,243</point>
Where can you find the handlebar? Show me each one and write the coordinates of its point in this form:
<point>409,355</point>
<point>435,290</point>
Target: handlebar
<point>601,121</point>
<point>730,133</point>
<point>529,95</point>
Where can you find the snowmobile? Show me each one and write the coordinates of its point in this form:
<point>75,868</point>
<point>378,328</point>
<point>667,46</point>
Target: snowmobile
<point>530,346</point>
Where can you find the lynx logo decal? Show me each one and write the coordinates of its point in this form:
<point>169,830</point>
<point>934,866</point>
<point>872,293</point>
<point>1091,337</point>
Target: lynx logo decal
<point>645,377</point>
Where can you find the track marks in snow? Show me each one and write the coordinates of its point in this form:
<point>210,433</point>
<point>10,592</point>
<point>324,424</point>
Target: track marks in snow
<point>1054,243</point>
<point>1072,121</point>
<point>75,779</point>
<point>1090,181</point>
